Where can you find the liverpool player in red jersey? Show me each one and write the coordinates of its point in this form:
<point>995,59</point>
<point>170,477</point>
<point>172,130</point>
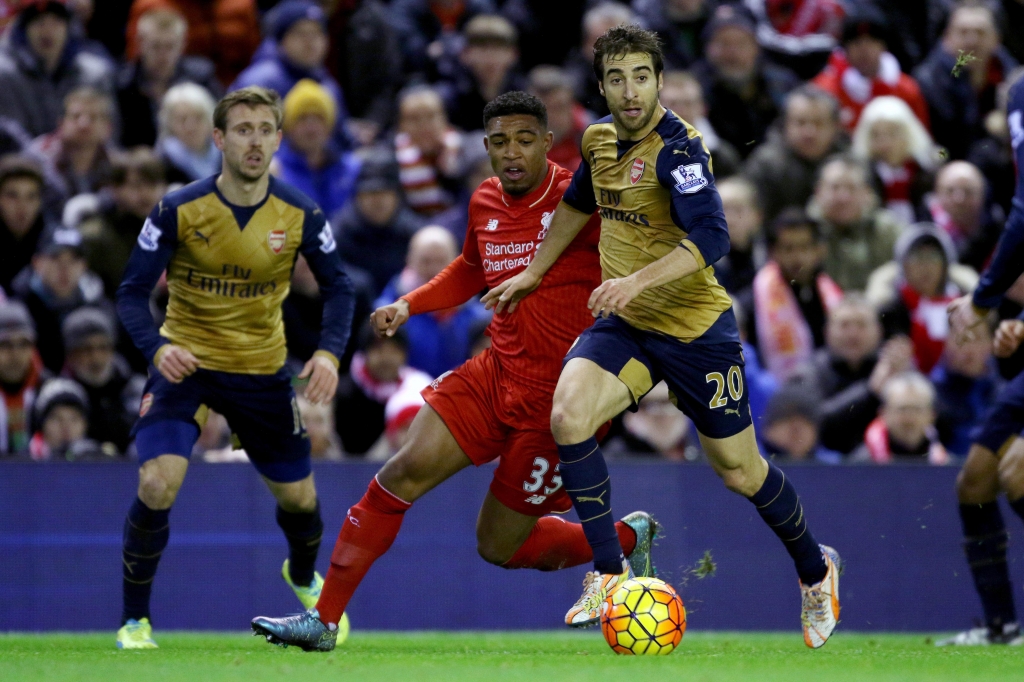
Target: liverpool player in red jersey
<point>496,405</point>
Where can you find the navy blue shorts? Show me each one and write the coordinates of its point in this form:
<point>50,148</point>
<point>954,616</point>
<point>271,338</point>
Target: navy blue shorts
<point>1004,420</point>
<point>260,409</point>
<point>705,377</point>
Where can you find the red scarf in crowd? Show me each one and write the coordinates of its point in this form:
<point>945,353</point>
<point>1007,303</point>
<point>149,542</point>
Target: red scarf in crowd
<point>16,410</point>
<point>929,325</point>
<point>804,17</point>
<point>877,439</point>
<point>784,338</point>
<point>896,183</point>
<point>854,90</point>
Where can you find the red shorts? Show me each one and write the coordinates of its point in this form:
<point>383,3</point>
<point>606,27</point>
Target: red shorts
<point>492,415</point>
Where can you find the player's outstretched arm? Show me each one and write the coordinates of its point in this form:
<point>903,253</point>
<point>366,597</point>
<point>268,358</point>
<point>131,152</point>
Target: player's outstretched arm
<point>458,282</point>
<point>565,225</point>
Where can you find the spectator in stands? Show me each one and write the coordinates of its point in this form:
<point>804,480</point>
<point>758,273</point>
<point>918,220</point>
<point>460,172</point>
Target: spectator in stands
<point>40,65</point>
<point>912,293</point>
<point>22,221</point>
<point>478,168</point>
<point>378,372</point>
<point>114,392</point>
<point>961,90</point>
<point>791,296</point>
<point>111,222</point>
<point>57,284</point>
<point>744,92</point>
<point>915,27</point>
<point>428,149</point>
<point>905,429</point>
<point>862,69</point>
<point>798,34</point>
<point>487,68</point>
<point>859,235</point>
<point>901,154</point>
<point>960,207</point>
<point>680,25</point>
<point>143,82</point>
<point>993,153</point>
<point>761,385</point>
<point>21,375</point>
<point>427,29</point>
<point>297,31</point>
<point>847,375</point>
<point>366,58</point>
<point>682,93</point>
<point>13,138</point>
<point>567,119</point>
<point>736,270</point>
<point>967,384</point>
<point>656,429</point>
<point>373,232</point>
<point>324,443</point>
<point>186,134</point>
<point>785,168</point>
<point>225,31</point>
<point>79,150</point>
<point>308,158</point>
<point>579,65</point>
<point>399,412</point>
<point>61,416</point>
<point>791,429</point>
<point>438,341</point>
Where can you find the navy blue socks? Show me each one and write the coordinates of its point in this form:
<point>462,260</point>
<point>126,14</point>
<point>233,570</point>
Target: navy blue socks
<point>145,535</point>
<point>585,476</point>
<point>985,545</point>
<point>779,506</point>
<point>303,531</point>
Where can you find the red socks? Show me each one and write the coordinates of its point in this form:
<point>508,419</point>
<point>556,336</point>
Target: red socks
<point>369,529</point>
<point>554,544</point>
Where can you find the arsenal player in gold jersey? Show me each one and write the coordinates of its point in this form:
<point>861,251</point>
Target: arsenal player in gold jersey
<point>661,315</point>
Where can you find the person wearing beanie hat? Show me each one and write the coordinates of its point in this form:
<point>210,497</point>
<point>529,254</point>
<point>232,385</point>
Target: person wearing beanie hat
<point>42,62</point>
<point>113,390</point>
<point>297,43</point>
<point>57,283</point>
<point>862,69</point>
<point>21,375</point>
<point>61,419</point>
<point>374,230</point>
<point>308,158</point>
<point>487,67</point>
<point>791,427</point>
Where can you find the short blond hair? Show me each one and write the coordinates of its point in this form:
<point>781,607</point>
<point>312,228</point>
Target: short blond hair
<point>164,20</point>
<point>252,97</point>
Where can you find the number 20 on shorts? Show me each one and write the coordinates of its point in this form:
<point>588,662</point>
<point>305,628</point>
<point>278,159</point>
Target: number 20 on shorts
<point>734,382</point>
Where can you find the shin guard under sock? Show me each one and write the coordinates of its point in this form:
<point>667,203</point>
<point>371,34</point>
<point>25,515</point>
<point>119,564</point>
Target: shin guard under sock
<point>145,535</point>
<point>303,531</point>
<point>985,546</point>
<point>554,544</point>
<point>585,475</point>
<point>369,529</point>
<point>779,506</point>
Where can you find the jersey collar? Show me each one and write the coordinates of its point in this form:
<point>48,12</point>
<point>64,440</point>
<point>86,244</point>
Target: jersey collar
<point>536,196</point>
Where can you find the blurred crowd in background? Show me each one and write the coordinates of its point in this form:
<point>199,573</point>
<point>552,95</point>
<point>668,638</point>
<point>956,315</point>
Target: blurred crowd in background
<point>860,147</point>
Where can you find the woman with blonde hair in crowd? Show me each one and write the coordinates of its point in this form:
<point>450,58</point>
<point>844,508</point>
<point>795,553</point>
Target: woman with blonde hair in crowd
<point>186,134</point>
<point>900,151</point>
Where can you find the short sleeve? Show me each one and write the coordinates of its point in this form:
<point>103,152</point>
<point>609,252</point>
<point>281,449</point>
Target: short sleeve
<point>580,193</point>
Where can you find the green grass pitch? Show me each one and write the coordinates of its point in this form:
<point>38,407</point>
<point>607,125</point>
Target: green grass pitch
<point>500,656</point>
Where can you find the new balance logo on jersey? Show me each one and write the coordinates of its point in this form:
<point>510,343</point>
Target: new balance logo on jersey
<point>353,520</point>
<point>536,499</point>
<point>492,225</point>
<point>690,178</point>
<point>593,499</point>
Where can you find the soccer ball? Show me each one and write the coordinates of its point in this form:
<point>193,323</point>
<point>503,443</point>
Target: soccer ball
<point>643,617</point>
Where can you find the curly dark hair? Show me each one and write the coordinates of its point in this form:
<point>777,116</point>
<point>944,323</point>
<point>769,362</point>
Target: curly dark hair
<point>516,102</point>
<point>627,39</point>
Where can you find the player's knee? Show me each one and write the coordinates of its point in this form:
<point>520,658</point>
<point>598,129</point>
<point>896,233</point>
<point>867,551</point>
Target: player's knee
<point>156,489</point>
<point>491,552</point>
<point>1011,474</point>
<point>740,480</point>
<point>568,426</point>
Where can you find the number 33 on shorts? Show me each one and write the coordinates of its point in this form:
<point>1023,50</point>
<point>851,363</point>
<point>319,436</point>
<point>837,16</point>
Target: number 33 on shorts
<point>733,382</point>
<point>537,481</point>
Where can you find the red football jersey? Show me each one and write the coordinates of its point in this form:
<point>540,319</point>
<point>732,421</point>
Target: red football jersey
<point>502,235</point>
